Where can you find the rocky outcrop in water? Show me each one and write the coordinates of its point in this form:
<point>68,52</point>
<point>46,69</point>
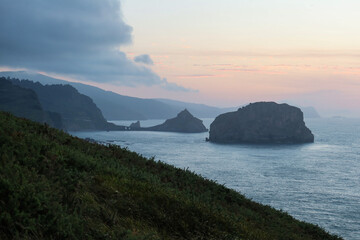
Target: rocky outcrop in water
<point>135,126</point>
<point>261,122</point>
<point>184,122</point>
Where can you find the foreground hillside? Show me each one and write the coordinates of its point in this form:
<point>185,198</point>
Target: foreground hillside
<point>54,186</point>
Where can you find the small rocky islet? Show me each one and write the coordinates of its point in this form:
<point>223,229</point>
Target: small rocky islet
<point>184,122</point>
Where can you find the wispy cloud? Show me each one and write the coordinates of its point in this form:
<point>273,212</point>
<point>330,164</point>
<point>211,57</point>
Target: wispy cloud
<point>197,76</point>
<point>238,70</point>
<point>247,69</point>
<point>325,53</point>
<point>212,65</point>
<point>144,58</point>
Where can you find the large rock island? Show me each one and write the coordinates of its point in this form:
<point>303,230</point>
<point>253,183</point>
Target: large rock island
<point>184,122</point>
<point>261,122</point>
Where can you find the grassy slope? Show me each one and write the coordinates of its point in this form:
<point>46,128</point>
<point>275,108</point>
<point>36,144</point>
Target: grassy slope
<point>55,186</point>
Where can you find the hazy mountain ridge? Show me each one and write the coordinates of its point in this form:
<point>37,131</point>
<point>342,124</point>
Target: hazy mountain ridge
<point>310,112</point>
<point>198,109</point>
<point>119,107</point>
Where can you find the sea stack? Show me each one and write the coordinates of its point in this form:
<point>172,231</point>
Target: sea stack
<point>184,122</point>
<point>135,126</point>
<point>261,122</point>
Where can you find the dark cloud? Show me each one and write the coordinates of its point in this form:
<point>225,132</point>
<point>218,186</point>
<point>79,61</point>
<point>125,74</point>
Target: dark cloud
<point>78,38</point>
<point>145,58</point>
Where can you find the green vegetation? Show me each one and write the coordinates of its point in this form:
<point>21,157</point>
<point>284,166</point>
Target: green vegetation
<point>54,186</point>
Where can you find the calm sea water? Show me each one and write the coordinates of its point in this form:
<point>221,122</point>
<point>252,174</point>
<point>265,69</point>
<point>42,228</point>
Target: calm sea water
<point>317,183</point>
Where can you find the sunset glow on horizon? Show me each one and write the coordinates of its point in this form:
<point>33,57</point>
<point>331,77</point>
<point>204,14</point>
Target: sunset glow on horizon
<point>234,52</point>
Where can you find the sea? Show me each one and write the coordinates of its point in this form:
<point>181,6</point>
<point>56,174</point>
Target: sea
<point>317,182</point>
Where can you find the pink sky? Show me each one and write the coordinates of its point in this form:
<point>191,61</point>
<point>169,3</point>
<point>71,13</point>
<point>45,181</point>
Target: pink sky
<point>325,81</point>
<point>303,52</point>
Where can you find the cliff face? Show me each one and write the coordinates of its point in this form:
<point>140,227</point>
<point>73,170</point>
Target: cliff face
<point>78,111</point>
<point>183,122</point>
<point>262,122</point>
<point>24,102</point>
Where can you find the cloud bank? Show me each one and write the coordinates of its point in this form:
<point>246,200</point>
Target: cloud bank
<point>77,38</point>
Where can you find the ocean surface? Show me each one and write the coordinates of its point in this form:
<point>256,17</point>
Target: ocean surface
<point>317,183</point>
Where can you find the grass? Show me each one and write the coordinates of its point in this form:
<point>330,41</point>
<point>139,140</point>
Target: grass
<point>55,186</point>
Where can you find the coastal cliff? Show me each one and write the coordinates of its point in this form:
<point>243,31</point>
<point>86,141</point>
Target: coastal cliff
<point>78,111</point>
<point>24,102</point>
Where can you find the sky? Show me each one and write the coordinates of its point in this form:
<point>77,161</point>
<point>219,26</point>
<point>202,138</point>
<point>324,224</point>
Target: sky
<point>223,53</point>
